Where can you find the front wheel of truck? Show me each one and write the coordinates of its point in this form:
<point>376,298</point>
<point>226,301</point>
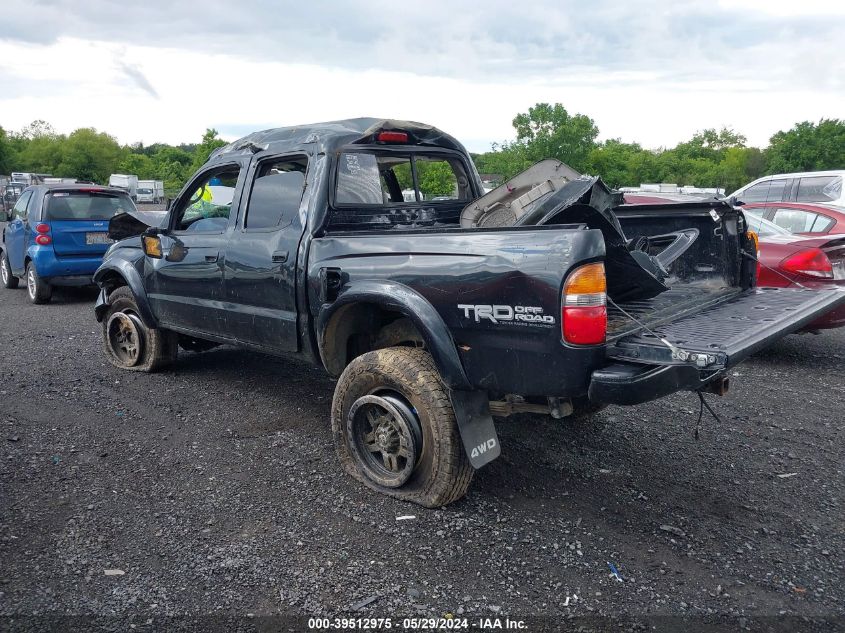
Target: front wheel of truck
<point>394,428</point>
<point>128,342</point>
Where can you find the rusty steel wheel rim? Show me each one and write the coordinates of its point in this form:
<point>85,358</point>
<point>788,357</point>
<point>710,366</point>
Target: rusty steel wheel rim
<point>125,337</point>
<point>385,438</point>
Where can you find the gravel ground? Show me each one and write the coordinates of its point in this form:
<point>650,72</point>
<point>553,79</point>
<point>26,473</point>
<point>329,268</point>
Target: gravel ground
<point>214,488</point>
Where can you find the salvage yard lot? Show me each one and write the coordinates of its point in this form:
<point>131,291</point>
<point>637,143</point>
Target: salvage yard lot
<point>214,486</point>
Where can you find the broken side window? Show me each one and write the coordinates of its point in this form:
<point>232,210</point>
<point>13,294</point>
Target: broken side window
<point>276,193</point>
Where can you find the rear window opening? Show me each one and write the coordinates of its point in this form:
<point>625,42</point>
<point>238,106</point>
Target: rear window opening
<point>85,205</point>
<point>395,189</point>
<point>373,179</point>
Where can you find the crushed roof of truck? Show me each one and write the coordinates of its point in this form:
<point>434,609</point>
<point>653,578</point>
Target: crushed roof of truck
<point>329,136</point>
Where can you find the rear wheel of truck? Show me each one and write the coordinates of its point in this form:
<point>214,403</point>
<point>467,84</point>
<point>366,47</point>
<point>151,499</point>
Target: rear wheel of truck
<point>39,291</point>
<point>9,280</point>
<point>128,343</point>
<point>395,430</point>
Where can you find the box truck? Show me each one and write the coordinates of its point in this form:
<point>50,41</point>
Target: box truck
<point>127,182</point>
<point>150,191</point>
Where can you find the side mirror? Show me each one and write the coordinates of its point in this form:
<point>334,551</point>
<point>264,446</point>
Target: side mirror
<point>158,245</point>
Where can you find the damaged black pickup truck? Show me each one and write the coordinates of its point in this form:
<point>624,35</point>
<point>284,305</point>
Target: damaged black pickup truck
<point>368,247</point>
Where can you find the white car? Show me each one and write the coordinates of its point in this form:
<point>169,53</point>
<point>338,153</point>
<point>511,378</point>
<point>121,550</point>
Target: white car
<point>808,186</point>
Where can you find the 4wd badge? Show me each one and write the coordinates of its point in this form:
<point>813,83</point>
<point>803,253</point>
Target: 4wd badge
<point>506,314</point>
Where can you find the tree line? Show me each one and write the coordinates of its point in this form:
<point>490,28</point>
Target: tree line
<point>710,158</point>
<point>89,155</point>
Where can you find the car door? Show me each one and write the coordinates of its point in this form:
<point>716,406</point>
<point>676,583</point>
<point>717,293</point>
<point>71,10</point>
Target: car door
<point>185,284</point>
<point>260,267</point>
<point>17,233</point>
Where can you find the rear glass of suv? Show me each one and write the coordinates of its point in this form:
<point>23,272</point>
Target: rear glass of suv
<point>819,188</point>
<point>85,205</point>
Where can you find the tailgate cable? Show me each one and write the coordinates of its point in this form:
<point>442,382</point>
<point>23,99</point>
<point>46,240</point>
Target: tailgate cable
<point>792,281</point>
<point>677,353</point>
<point>701,413</point>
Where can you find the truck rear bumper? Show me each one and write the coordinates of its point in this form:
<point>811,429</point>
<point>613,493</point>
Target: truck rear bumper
<point>629,383</point>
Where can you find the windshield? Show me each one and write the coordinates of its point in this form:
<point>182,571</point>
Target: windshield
<point>145,191</point>
<point>86,205</point>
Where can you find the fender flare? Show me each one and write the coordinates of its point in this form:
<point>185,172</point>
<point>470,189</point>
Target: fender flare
<point>400,298</point>
<point>125,270</point>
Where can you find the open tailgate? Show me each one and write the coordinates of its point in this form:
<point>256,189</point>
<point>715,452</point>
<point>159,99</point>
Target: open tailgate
<point>701,345</point>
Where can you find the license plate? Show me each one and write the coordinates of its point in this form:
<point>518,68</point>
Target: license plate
<point>98,238</point>
<point>839,269</point>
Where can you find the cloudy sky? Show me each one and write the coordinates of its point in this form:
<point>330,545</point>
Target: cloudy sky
<point>652,71</point>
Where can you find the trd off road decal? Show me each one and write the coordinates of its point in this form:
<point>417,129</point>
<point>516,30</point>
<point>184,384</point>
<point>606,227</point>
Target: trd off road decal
<point>516,315</point>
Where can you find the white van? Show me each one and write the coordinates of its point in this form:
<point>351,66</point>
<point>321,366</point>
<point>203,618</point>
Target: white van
<point>808,186</point>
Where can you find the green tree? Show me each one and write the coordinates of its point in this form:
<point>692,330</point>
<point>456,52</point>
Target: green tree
<point>808,147</point>
<point>7,153</point>
<point>710,144</point>
<point>39,148</point>
<point>209,143</point>
<point>89,155</point>
<point>139,164</point>
<point>507,160</point>
<point>549,131</point>
<point>621,164</point>
<point>435,178</point>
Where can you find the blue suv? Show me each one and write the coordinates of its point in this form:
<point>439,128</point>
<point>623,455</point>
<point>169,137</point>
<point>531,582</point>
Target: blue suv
<point>57,235</point>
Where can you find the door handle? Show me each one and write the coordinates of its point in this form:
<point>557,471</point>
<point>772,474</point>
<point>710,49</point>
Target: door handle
<point>212,258</point>
<point>280,257</point>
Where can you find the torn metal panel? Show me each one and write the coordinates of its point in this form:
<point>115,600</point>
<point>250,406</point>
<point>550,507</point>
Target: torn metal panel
<point>509,202</point>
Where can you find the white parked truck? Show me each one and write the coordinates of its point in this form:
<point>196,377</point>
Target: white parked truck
<point>150,191</point>
<point>28,178</point>
<point>127,182</point>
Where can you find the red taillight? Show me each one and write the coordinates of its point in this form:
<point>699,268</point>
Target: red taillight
<point>584,306</point>
<point>392,137</point>
<point>43,240</point>
<point>811,262</point>
<point>42,228</point>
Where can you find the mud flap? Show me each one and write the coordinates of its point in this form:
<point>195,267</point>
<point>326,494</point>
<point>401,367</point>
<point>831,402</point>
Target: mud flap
<point>475,423</point>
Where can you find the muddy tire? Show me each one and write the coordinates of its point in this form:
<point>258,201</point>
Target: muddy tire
<point>128,343</point>
<point>394,428</point>
<point>6,276</point>
<point>38,290</point>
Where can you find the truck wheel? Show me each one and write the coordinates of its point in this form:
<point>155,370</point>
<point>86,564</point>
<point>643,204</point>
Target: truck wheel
<point>9,280</point>
<point>394,428</point>
<point>39,291</point>
<point>128,343</point>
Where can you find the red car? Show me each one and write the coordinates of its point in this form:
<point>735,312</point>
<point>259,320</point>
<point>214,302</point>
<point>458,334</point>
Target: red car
<point>804,218</point>
<point>812,261</point>
<point>787,259</point>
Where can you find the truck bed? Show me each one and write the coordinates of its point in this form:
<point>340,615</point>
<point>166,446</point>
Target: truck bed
<point>677,302</point>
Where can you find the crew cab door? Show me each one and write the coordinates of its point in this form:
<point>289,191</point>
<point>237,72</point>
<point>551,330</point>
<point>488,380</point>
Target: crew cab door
<point>17,231</point>
<point>185,284</point>
<point>260,267</point>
